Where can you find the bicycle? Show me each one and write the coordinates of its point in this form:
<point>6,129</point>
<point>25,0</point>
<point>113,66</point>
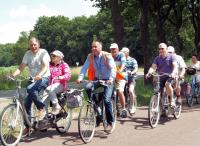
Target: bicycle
<point>159,103</point>
<point>14,116</point>
<point>92,109</point>
<point>195,89</point>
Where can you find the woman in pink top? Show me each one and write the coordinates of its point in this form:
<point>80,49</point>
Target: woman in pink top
<point>60,75</point>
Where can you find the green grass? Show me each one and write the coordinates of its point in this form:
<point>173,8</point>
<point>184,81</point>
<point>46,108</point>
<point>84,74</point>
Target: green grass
<point>143,92</point>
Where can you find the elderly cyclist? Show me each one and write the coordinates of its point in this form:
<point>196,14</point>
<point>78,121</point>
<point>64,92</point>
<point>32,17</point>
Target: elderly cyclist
<point>121,75</point>
<point>165,63</point>
<point>104,70</point>
<point>196,77</point>
<point>131,69</point>
<point>181,72</point>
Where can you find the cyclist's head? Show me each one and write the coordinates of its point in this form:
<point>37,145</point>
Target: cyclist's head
<point>34,44</point>
<point>170,49</point>
<point>194,58</point>
<point>162,49</point>
<point>56,57</point>
<point>96,47</point>
<point>125,50</point>
<point>114,49</point>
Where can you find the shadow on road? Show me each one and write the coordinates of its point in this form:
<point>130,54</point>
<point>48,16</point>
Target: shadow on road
<point>70,138</point>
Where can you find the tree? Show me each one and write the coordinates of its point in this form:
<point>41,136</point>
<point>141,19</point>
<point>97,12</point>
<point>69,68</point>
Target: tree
<point>194,7</point>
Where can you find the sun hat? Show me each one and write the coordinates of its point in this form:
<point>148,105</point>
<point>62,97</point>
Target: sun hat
<point>162,45</point>
<point>170,49</point>
<point>113,45</point>
<point>125,49</point>
<point>57,53</point>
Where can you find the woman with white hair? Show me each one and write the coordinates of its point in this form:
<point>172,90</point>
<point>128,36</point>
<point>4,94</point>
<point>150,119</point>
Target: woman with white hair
<point>60,75</point>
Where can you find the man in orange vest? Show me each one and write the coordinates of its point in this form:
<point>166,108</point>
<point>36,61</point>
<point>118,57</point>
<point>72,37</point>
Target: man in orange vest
<point>103,68</point>
<point>121,75</point>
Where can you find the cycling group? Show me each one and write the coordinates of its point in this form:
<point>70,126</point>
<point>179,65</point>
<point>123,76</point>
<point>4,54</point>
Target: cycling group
<point>108,71</point>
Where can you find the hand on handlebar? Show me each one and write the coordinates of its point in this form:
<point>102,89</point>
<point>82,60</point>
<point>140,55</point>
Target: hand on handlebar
<point>148,75</point>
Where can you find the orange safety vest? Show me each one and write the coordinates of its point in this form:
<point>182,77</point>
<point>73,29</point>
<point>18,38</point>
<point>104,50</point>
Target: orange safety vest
<point>121,75</point>
<point>91,69</point>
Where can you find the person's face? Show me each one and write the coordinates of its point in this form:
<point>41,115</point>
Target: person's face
<point>114,51</point>
<point>194,59</point>
<point>55,59</point>
<point>34,46</point>
<point>162,51</point>
<point>96,48</point>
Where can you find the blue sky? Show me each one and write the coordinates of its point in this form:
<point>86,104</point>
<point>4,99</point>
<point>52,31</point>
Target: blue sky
<point>21,15</point>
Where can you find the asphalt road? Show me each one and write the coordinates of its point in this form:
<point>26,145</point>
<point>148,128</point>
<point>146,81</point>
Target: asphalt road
<point>133,131</point>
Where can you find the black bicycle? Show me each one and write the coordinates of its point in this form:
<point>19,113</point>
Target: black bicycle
<point>160,105</point>
<point>93,110</point>
<point>14,116</point>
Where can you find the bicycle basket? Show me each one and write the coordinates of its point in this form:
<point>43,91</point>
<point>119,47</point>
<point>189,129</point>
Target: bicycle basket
<point>191,71</point>
<point>74,98</point>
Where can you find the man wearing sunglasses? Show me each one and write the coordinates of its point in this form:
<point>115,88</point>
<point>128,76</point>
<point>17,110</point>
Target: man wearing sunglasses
<point>165,63</point>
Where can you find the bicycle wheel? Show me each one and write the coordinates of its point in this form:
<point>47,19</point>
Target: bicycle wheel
<point>189,99</point>
<point>63,124</point>
<point>198,96</point>
<point>177,111</point>
<point>154,111</point>
<point>11,125</point>
<point>86,122</point>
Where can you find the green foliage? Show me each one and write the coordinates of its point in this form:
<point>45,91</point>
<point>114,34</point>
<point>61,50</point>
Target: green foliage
<point>143,92</point>
<point>4,72</point>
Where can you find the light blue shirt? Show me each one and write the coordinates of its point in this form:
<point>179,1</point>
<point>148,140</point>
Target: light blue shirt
<point>102,71</point>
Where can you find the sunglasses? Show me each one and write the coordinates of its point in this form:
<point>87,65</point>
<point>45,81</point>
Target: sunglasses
<point>53,56</point>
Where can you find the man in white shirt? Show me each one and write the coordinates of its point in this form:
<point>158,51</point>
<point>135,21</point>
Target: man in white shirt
<point>180,71</point>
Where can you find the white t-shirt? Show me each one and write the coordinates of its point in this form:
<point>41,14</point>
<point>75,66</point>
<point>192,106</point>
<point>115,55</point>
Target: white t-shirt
<point>197,67</point>
<point>35,61</point>
<point>180,62</point>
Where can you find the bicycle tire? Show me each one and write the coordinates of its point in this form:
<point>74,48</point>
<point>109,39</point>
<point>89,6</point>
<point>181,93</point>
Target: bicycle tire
<point>11,129</point>
<point>153,114</point>
<point>177,111</point>
<point>63,125</point>
<point>198,96</point>
<point>86,122</point>
<point>189,99</point>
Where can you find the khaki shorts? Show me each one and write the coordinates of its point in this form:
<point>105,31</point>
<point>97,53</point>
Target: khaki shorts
<point>120,84</point>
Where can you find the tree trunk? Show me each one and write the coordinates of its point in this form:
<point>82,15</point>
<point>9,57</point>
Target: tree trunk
<point>144,30</point>
<point>118,23</point>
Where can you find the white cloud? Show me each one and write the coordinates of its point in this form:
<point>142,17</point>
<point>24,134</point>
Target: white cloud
<point>34,12</point>
<point>23,17</point>
<point>11,31</point>
<point>88,9</point>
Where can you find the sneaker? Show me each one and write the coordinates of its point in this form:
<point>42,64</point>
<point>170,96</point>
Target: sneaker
<point>124,113</point>
<point>110,128</point>
<point>132,109</point>
<point>56,109</point>
<point>41,114</point>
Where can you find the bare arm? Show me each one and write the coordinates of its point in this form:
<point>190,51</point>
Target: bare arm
<point>151,70</point>
<point>19,70</point>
